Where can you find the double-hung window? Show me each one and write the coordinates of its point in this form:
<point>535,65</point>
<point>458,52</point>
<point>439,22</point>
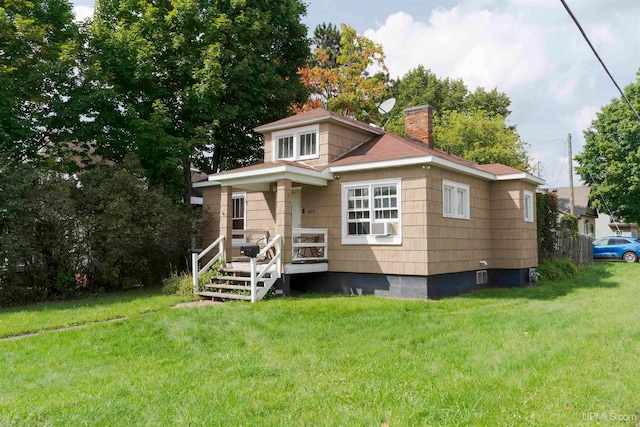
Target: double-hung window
<point>528,206</point>
<point>238,216</point>
<point>296,144</point>
<point>285,147</point>
<point>371,212</point>
<point>455,200</point>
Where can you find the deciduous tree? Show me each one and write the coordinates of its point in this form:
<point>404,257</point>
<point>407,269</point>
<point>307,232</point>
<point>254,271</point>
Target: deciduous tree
<point>343,83</point>
<point>185,81</point>
<point>421,86</point>
<point>610,161</point>
<point>38,41</point>
<point>482,138</point>
<point>472,125</point>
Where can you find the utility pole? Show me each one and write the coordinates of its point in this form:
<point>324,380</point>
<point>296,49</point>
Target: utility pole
<point>571,199</point>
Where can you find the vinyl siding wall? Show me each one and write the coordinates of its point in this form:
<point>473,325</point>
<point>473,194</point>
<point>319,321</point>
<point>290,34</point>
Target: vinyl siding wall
<point>334,140</point>
<point>431,244</point>
<point>514,242</point>
<point>455,244</point>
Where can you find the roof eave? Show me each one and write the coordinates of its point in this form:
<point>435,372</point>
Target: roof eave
<point>262,177</point>
<point>314,120</point>
<point>411,161</point>
<point>523,176</point>
<point>437,161</point>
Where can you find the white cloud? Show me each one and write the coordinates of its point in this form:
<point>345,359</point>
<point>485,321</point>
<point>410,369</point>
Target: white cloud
<point>83,12</point>
<point>544,3</point>
<point>564,91</point>
<point>602,34</point>
<point>583,117</point>
<point>482,47</point>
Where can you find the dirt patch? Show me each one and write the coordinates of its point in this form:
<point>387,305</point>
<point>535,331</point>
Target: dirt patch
<point>200,303</point>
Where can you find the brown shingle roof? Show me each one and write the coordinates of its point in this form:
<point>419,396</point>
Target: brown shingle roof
<point>382,146</point>
<point>498,169</point>
<point>581,205</point>
<point>317,115</point>
<point>393,147</point>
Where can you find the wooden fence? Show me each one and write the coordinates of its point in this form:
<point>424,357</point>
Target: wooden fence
<point>579,249</point>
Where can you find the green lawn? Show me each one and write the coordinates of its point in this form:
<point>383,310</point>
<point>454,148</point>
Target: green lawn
<point>562,354</point>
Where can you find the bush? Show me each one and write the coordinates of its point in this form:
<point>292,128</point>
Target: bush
<point>178,284</point>
<point>38,233</point>
<point>553,269</point>
<point>106,230</point>
<point>132,233</point>
<point>546,219</point>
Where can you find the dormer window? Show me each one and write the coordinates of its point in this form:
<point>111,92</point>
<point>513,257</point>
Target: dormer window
<point>285,147</point>
<point>296,144</point>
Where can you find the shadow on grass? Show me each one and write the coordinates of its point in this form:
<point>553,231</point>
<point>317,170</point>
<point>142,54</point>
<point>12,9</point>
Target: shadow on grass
<point>89,300</point>
<point>591,276</point>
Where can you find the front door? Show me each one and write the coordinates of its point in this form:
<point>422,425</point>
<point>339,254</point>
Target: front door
<point>296,207</point>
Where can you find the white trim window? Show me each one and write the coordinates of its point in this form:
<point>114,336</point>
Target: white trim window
<point>455,200</point>
<point>296,144</point>
<point>528,205</point>
<point>371,212</point>
<point>239,217</point>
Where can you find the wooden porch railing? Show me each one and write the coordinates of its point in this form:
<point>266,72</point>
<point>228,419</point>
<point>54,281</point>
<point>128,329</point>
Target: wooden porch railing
<point>310,244</point>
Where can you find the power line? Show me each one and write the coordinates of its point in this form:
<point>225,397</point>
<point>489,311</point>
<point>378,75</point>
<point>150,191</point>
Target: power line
<point>606,206</point>
<point>599,59</point>
<point>561,166</point>
<point>534,144</point>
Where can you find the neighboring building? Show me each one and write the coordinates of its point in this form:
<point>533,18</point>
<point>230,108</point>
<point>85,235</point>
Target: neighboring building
<point>606,226</point>
<point>368,211</point>
<point>591,222</point>
<point>586,215</point>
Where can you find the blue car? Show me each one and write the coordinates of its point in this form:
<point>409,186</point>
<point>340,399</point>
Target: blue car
<point>617,247</point>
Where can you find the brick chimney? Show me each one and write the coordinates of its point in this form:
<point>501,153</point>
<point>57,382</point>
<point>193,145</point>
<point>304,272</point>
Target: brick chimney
<point>418,124</point>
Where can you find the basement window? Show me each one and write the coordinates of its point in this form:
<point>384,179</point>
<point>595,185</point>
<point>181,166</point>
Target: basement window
<point>482,277</point>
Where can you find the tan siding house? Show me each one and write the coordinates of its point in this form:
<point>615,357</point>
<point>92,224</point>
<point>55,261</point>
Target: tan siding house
<point>361,210</point>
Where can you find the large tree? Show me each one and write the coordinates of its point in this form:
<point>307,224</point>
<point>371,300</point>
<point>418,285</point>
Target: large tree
<point>469,124</point>
<point>185,81</point>
<point>480,137</point>
<point>610,161</point>
<point>38,40</point>
<point>341,81</point>
<point>421,86</point>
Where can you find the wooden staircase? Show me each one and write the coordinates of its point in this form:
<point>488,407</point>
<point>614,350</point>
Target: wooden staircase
<point>239,280</point>
<point>235,282</point>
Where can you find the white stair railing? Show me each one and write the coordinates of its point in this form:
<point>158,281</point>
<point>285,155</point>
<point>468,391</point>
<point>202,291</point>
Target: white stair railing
<point>196,257</point>
<point>276,243</point>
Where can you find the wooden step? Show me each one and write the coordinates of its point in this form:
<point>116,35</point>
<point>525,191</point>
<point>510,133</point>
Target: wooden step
<point>227,286</point>
<point>245,268</point>
<point>224,295</point>
<point>236,279</point>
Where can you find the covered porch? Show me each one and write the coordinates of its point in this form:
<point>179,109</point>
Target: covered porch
<point>261,209</point>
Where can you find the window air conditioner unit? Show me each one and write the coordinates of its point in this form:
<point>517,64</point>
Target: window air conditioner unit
<point>381,229</point>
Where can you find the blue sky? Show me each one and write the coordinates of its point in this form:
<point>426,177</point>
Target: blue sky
<point>529,49</point>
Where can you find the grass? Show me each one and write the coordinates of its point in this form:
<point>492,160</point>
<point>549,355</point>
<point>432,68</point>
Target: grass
<point>63,314</point>
<point>563,353</point>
